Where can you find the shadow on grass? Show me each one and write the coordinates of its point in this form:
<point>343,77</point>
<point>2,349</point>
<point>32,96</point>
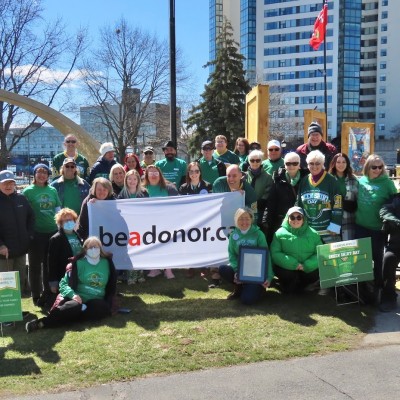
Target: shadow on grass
<point>297,309</point>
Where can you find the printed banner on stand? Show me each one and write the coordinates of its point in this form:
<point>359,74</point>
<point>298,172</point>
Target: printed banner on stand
<point>10,297</point>
<point>345,263</point>
<point>166,232</point>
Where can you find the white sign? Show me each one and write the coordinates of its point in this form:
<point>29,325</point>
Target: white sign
<point>166,232</point>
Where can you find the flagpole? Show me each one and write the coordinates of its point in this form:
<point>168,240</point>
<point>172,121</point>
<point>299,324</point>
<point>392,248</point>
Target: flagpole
<point>325,84</point>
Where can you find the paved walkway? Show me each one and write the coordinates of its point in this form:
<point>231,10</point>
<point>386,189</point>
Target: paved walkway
<point>371,372</point>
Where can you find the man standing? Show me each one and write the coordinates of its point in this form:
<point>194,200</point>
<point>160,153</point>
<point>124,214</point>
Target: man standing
<point>70,144</point>
<point>222,153</point>
<point>16,227</point>
<point>274,160</point>
<point>148,157</point>
<point>173,169</point>
<point>315,142</point>
<point>211,168</point>
<point>71,189</point>
<point>103,164</point>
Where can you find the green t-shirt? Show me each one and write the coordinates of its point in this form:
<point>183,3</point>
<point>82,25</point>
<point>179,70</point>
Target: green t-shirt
<point>82,165</point>
<point>271,166</point>
<point>229,157</point>
<point>174,171</point>
<point>92,280</point>
<point>45,203</point>
<point>74,243</point>
<point>156,191</point>
<point>72,196</point>
<point>209,170</point>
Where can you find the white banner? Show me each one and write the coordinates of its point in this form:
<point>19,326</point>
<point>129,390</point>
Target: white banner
<point>166,232</point>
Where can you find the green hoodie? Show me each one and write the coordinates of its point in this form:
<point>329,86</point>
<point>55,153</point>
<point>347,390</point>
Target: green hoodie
<point>293,246</point>
<point>253,237</point>
<point>372,195</point>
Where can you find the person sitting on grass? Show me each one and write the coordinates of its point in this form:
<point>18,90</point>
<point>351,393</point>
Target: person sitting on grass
<point>245,234</point>
<point>294,253</point>
<point>86,291</point>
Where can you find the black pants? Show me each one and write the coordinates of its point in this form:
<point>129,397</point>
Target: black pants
<point>390,262</point>
<point>294,281</point>
<point>71,311</point>
<point>38,268</point>
<point>378,244</point>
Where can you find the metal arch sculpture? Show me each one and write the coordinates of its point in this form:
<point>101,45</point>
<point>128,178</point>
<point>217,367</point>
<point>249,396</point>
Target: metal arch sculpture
<point>87,145</point>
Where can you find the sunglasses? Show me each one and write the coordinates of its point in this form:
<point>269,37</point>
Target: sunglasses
<point>294,218</point>
<point>194,171</point>
<point>69,166</point>
<point>292,164</point>
<point>314,164</point>
<point>257,160</point>
<point>274,149</point>
<point>377,167</point>
<point>148,153</point>
<point>70,141</point>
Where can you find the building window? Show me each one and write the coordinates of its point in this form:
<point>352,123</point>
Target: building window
<point>382,90</point>
<point>382,115</point>
<point>384,28</point>
<point>382,78</point>
<point>383,53</point>
<point>383,40</point>
<point>382,102</point>
<point>384,14</point>
<point>382,65</point>
<point>381,127</point>
<point>385,2</point>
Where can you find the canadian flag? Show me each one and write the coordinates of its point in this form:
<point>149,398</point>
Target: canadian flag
<point>318,35</point>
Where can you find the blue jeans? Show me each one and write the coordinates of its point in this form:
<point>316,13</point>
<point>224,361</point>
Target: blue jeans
<point>251,292</point>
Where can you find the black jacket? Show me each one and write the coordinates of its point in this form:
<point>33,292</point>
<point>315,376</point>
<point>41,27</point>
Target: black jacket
<point>186,189</point>
<point>16,224</point>
<point>59,254</point>
<point>390,215</point>
<point>282,196</point>
<point>102,168</point>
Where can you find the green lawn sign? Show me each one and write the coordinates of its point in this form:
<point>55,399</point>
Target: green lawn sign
<point>345,263</point>
<point>10,297</point>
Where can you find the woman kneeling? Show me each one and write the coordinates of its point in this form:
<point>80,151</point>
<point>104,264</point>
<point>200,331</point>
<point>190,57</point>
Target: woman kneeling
<point>245,234</point>
<point>294,253</point>
<point>86,291</point>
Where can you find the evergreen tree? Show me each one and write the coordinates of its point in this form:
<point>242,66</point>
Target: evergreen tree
<point>222,111</point>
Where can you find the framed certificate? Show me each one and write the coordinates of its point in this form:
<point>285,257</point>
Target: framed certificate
<point>252,266</point>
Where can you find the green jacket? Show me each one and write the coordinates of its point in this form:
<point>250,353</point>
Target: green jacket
<point>271,166</point>
<point>291,247</point>
<point>253,237</point>
<point>262,183</point>
<point>372,195</point>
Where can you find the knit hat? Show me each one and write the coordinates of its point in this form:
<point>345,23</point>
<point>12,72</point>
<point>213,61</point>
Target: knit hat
<point>314,127</point>
<point>106,147</point>
<point>44,166</point>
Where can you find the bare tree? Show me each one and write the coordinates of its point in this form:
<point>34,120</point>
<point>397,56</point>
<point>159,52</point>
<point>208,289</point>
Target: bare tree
<point>35,65</point>
<point>124,76</point>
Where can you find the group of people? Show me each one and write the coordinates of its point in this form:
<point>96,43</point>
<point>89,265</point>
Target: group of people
<point>293,203</point>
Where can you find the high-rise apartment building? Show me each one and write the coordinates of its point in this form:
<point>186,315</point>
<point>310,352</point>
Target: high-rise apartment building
<point>361,57</point>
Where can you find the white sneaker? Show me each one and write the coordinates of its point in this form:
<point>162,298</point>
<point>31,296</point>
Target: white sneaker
<point>153,273</point>
<point>169,274</point>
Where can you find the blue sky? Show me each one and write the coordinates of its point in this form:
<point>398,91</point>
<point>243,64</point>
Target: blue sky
<point>191,19</point>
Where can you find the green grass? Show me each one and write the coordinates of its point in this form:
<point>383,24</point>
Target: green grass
<point>174,326</point>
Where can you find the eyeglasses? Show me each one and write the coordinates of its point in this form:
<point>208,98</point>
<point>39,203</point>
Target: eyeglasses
<point>291,164</point>
<point>257,160</point>
<point>153,173</point>
<point>70,141</point>
<point>294,218</point>
<point>69,166</point>
<point>314,164</point>
<point>376,166</point>
<point>194,171</point>
<point>147,153</point>
<point>207,148</point>
<point>274,149</point>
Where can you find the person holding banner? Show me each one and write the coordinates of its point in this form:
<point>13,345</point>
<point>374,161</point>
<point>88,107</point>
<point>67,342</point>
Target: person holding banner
<point>156,185</point>
<point>86,291</point>
<point>294,253</point>
<point>341,169</point>
<point>101,190</point>
<point>375,189</point>
<point>248,234</point>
